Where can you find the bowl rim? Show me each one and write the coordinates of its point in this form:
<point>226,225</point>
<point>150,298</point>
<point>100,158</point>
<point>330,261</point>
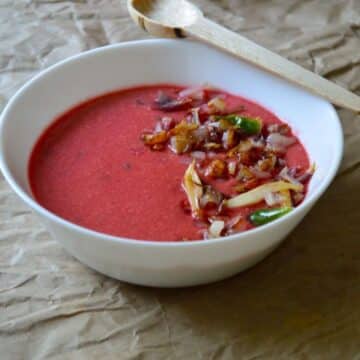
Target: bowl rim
<point>34,205</point>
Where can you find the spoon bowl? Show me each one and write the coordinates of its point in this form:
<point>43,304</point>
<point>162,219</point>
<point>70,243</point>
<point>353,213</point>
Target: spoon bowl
<point>164,18</point>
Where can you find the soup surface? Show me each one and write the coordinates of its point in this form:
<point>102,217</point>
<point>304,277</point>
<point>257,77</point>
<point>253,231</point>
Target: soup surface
<point>101,166</point>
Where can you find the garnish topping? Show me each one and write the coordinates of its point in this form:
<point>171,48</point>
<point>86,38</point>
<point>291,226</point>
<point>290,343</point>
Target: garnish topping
<point>239,176</point>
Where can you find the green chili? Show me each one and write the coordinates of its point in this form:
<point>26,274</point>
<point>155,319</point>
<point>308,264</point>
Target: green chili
<point>264,216</point>
<point>250,126</point>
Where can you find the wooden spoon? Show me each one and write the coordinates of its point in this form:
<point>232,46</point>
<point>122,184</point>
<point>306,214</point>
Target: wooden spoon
<point>180,18</point>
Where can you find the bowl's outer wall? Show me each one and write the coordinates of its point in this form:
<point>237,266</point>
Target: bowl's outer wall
<point>172,266</point>
<point>167,61</point>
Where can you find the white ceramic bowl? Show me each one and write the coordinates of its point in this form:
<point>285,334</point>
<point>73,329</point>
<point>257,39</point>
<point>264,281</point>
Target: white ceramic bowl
<point>102,70</point>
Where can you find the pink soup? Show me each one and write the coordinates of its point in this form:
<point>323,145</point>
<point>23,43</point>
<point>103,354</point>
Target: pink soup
<point>102,165</point>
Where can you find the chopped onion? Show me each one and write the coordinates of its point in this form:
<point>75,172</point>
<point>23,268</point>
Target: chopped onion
<point>183,128</point>
<point>244,173</point>
<point>201,134</point>
<point>260,174</point>
<point>198,155</point>
<point>162,98</point>
<point>196,93</point>
<point>167,123</point>
<point>193,189</point>
<point>244,146</point>
<point>283,129</point>
<point>211,155</point>
<point>280,142</point>
<point>286,175</point>
<point>258,194</point>
<point>195,116</point>
<point>214,124</point>
<point>165,103</point>
<point>271,198</point>
<point>246,185</point>
<point>216,105</point>
<point>180,144</point>
<point>258,142</point>
<point>267,164</point>
<point>233,222</point>
<point>215,229</point>
<point>214,134</point>
<point>231,167</point>
<point>212,146</point>
<point>158,127</point>
<point>297,198</point>
<point>307,175</point>
<point>216,169</point>
<point>228,139</point>
<point>282,197</point>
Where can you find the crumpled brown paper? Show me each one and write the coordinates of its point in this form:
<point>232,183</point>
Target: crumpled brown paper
<point>300,303</point>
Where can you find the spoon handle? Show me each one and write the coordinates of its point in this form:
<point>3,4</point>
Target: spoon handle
<point>210,32</point>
